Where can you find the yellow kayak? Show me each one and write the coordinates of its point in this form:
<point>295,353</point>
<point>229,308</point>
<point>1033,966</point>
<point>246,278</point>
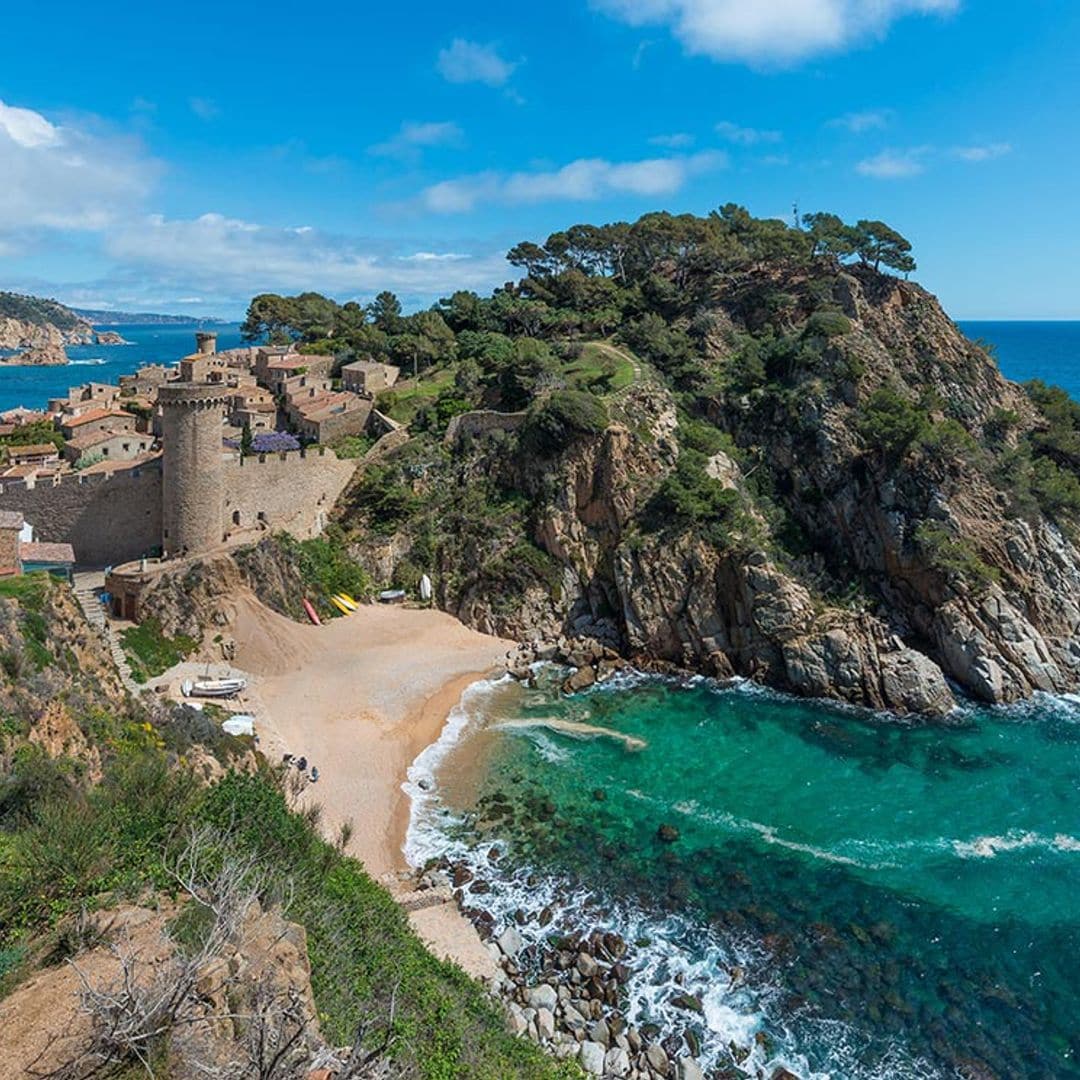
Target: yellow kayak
<point>347,600</point>
<point>340,606</point>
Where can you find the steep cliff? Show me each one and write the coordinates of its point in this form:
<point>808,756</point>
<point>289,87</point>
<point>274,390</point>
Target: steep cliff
<point>897,516</point>
<point>40,329</point>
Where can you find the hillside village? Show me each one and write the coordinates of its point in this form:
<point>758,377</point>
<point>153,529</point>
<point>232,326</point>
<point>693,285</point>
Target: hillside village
<point>265,401</point>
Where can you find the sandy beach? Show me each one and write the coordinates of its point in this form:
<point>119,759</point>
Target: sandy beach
<point>360,698</point>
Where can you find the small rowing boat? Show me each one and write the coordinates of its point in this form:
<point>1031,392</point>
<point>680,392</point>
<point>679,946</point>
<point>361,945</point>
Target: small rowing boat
<point>312,614</point>
<point>212,687</point>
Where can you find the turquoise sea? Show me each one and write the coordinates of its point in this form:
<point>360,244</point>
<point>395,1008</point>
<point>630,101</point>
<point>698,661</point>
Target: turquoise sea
<point>32,386</point>
<point>849,896</point>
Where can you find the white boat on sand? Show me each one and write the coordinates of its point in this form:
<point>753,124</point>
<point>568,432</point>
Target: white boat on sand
<point>222,688</point>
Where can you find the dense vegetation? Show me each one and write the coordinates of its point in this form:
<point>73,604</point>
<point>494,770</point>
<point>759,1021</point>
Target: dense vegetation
<point>817,397</point>
<point>150,652</point>
<point>33,309</point>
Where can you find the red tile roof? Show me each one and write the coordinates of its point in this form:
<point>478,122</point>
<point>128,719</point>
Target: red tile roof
<point>33,450</point>
<point>94,414</point>
<point>46,552</point>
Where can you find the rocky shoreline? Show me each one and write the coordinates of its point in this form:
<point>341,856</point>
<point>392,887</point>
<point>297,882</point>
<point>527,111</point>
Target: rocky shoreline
<point>569,995</point>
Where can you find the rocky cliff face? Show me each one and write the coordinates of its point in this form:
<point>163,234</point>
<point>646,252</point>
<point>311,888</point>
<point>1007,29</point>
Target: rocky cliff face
<point>914,570</point>
<point>40,344</point>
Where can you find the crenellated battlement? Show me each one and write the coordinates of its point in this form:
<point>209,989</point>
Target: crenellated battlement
<point>313,455</point>
<point>123,473</point>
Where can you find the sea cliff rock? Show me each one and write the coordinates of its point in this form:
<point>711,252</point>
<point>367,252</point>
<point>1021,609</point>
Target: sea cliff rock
<point>40,342</point>
<point>863,508</point>
<point>108,337</point>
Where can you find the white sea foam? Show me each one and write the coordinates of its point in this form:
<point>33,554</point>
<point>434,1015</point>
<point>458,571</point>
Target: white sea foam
<point>424,838</point>
<point>989,847</point>
<point>82,363</point>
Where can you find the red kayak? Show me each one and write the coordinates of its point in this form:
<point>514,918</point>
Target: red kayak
<point>312,614</point>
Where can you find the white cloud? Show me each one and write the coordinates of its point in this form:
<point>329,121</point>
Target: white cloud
<point>978,154</point>
<point>412,138</point>
<point>204,108</point>
<point>745,136</point>
<point>469,61</point>
<point>678,140</point>
<point>584,179</point>
<point>27,128</point>
<point>893,164</point>
<point>859,122</point>
<point>231,259</point>
<point>769,32</point>
<point>60,177</point>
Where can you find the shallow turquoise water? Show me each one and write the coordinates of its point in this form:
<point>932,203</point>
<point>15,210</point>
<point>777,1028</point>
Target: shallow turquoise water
<point>904,899</point>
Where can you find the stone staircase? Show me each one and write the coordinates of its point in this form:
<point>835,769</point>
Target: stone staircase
<point>88,593</point>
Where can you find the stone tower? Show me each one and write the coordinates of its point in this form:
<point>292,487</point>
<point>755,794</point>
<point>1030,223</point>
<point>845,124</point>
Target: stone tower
<point>192,485</point>
<point>206,341</point>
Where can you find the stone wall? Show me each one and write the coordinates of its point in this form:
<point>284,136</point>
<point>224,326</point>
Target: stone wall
<point>107,518</point>
<point>292,491</point>
<point>481,422</point>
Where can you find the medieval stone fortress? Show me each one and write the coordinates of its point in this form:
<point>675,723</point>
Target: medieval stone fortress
<point>180,461</point>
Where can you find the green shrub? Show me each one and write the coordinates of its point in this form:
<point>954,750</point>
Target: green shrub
<point>953,556</point>
<point>351,446</point>
<point>33,779</point>
<point>890,423</point>
<point>827,324</point>
<point>326,568</point>
<point>700,435</point>
<point>150,652</point>
<point>690,498</point>
<point>562,417</point>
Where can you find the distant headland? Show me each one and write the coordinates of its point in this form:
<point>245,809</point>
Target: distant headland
<point>35,331</point>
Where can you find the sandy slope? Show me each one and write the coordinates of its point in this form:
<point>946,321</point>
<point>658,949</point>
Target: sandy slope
<point>360,697</point>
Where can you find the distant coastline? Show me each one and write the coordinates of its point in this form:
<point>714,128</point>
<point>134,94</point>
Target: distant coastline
<point>144,318</point>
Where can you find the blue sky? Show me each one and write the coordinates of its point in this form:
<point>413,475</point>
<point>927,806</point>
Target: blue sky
<point>182,159</point>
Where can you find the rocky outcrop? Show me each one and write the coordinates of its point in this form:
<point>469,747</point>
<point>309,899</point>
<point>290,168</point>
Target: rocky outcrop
<point>691,606</point>
<point>108,337</point>
<point>40,342</point>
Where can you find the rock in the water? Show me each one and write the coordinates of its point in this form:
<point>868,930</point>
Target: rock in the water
<point>616,1062</point>
<point>668,834</point>
<point>510,942</point>
<point>689,1069</point>
<point>658,1060</point>
<point>582,679</point>
<point>587,965</point>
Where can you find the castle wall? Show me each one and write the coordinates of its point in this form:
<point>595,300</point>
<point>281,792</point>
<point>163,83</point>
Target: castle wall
<point>292,492</point>
<point>107,518</point>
